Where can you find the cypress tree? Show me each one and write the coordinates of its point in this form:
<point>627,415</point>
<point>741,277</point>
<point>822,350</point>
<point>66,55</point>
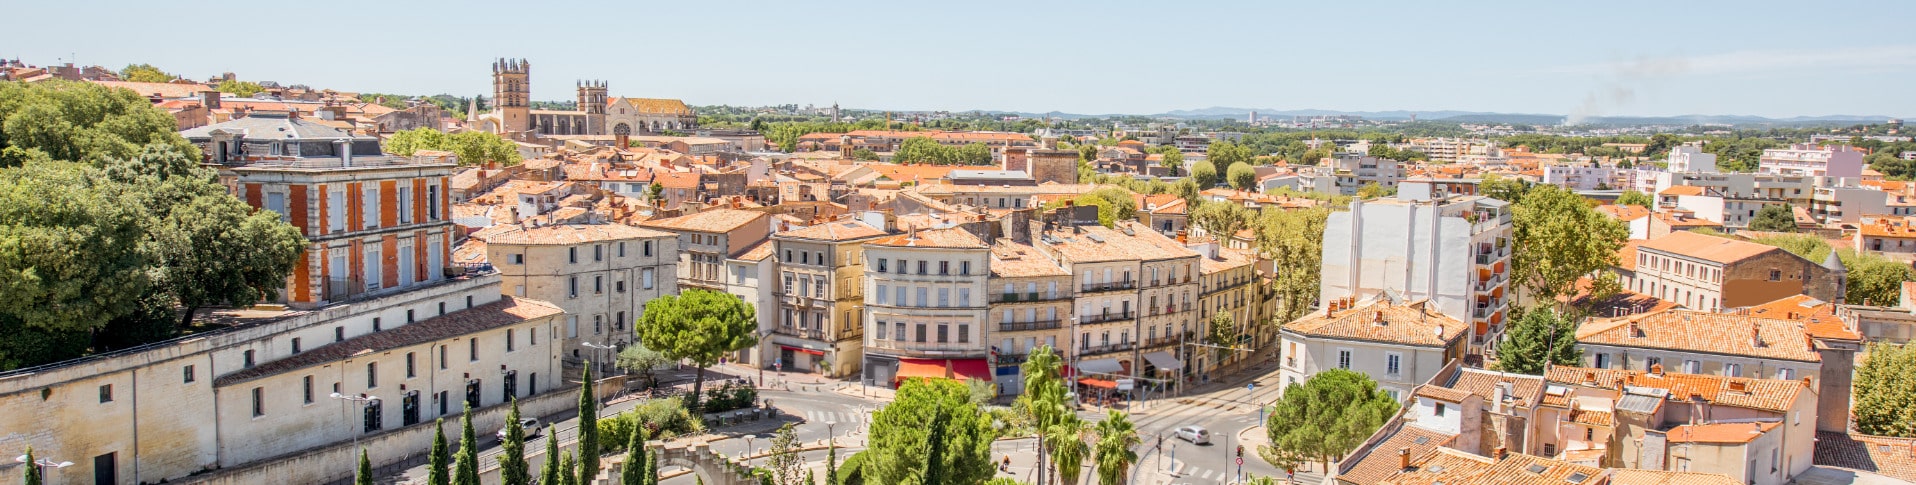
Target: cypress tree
<point>569,471</point>
<point>651,467</point>
<point>831,462</point>
<point>33,471</point>
<point>440,456</point>
<point>512,460</point>
<point>465,466</point>
<point>549,474</point>
<point>588,429</point>
<point>635,453</point>
<point>365,469</point>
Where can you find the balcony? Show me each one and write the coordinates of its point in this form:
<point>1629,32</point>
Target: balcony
<point>1106,348</point>
<point>1028,326</point>
<point>1486,285</point>
<point>804,333</point>
<point>928,348</point>
<point>1106,317</point>
<point>1160,341</point>
<point>1112,286</point>
<point>1026,297</point>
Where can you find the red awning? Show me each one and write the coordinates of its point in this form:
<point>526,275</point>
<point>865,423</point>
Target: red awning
<point>803,350</point>
<point>1104,383</point>
<point>944,369</point>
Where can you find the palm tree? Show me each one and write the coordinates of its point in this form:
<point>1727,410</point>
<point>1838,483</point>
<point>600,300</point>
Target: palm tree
<point>1116,436</point>
<point>1044,400</point>
<point>1068,448</point>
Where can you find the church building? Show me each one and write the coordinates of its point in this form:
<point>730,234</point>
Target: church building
<point>597,114</point>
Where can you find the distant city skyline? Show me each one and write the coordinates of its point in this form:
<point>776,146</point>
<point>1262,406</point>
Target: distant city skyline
<point>1631,58</point>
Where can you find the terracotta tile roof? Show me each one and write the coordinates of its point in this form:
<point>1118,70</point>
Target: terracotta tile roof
<point>1818,316</point>
<point>1099,243</point>
<point>1632,476</point>
<point>1890,227</point>
<point>1762,394</point>
<point>1594,417</point>
<point>1684,220</point>
<point>1447,465</point>
<point>1381,461</point>
<point>564,234</point>
<point>507,311</point>
<point>715,220</point>
<point>1709,248</point>
<point>1228,259</point>
<point>1719,432</point>
<point>1729,334</point>
<point>1009,259</point>
<point>1525,390</point>
<point>1627,255</point>
<point>757,252</point>
<point>1624,212</point>
<point>1893,457</point>
<point>1623,303</point>
<point>1402,324</point>
<point>1442,393</point>
<point>846,230</point>
<point>1682,190</point>
<point>470,251</point>
<point>655,105</point>
<point>950,238</point>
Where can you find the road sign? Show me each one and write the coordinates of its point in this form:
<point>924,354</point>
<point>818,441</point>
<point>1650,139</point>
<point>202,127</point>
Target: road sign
<point>1250,387</point>
<point>1240,461</point>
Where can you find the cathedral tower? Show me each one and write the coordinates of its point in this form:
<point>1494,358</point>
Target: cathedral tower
<point>592,102</point>
<point>512,95</point>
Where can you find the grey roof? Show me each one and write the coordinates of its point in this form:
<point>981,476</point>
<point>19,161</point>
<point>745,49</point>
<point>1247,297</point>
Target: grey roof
<point>272,126</point>
<point>1834,263</point>
<point>1639,403</point>
<point>989,174</point>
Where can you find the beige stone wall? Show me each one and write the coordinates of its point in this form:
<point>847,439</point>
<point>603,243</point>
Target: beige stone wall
<point>546,274</point>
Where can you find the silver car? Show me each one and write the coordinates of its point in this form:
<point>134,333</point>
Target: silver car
<point>530,426</point>
<point>1197,435</point>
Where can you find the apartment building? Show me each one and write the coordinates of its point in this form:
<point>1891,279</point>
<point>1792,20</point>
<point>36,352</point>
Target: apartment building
<point>600,274</point>
<point>820,292</point>
<point>1031,307</point>
<point>1353,171</point>
<point>1734,345</point>
<point>925,299</point>
<point>1886,235</point>
<point>374,224</point>
<point>1847,203</point>
<point>1000,196</point>
<point>1760,431</point>
<point>1400,344</point>
<point>707,238</point>
<point>1228,284</point>
<point>1424,245</point>
<point>1580,176</point>
<point>1134,289</point>
<point>752,276</point>
<point>1712,273</point>
<point>1808,160</point>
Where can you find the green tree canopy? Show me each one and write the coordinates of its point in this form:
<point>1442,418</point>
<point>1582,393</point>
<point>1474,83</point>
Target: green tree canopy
<point>1173,161</point>
<point>1223,154</point>
<point>1886,391</point>
<point>1632,197</point>
<point>1205,175</point>
<point>1325,417</point>
<point>513,469</point>
<point>641,360</point>
<point>923,150</point>
<point>1221,219</point>
<point>1540,336</point>
<point>465,463</point>
<point>1774,218</point>
<point>471,147</point>
<point>1242,176</point>
<point>440,456</point>
<point>1294,242</point>
<point>700,326</point>
<point>931,434</point>
<point>243,89</point>
<point>1560,238</point>
<point>1116,437</point>
<point>80,122</point>
<point>145,73</point>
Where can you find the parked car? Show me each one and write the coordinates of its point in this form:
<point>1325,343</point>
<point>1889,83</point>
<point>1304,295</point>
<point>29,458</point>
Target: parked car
<point>1197,435</point>
<point>530,425</point>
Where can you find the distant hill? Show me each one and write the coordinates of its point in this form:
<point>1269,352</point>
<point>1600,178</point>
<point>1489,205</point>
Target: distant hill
<point>1227,113</point>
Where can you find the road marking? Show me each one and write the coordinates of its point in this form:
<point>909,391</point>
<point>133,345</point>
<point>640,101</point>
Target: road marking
<point>1205,476</point>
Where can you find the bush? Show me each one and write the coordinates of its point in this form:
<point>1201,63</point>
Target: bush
<point>730,396</point>
<point>852,470</point>
<point>666,418</point>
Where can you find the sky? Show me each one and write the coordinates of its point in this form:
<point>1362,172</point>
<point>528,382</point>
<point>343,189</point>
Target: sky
<point>1628,58</point>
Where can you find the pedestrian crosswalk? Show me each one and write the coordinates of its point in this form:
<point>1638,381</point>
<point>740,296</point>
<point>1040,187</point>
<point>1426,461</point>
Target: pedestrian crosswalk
<point>837,417</point>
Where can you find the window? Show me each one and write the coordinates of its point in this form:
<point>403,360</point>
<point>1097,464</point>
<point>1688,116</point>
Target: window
<point>306,388</point>
<point>248,359</point>
<point>898,333</point>
<point>618,286</point>
<point>335,211</point>
<point>598,285</point>
<point>1440,409</point>
<point>645,278</point>
<point>410,369</point>
<point>1393,363</point>
<point>900,300</point>
<point>259,402</point>
<point>878,331</point>
<point>598,252</point>
<point>883,291</point>
<point>645,248</point>
<point>1733,370</point>
<point>369,200</point>
<point>372,375</point>
<point>921,267</point>
<point>964,296</point>
<point>921,333</point>
<point>432,202</point>
<point>598,324</point>
<point>618,323</point>
<point>106,393</point>
<point>1786,374</point>
<point>532,335</point>
<point>923,295</point>
<point>472,349</point>
<point>881,265</point>
<point>1343,358</point>
<point>376,326</point>
<point>572,287</point>
<point>442,357</point>
<point>516,258</point>
<point>572,255</point>
<point>188,374</point>
<point>405,205</point>
<point>964,333</point>
<point>1776,275</point>
<point>944,297</point>
<point>1603,361</point>
<point>944,267</point>
<point>1692,367</point>
<point>374,410</point>
<point>621,249</point>
<point>944,333</point>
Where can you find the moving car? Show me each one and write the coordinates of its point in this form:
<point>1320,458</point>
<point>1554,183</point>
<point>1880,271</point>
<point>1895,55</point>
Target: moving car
<point>530,425</point>
<point>1197,435</point>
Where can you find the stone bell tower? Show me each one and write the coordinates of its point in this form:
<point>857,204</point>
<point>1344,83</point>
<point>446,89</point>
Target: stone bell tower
<point>592,103</point>
<point>512,95</point>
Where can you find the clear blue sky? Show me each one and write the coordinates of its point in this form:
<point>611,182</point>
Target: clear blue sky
<point>1606,58</point>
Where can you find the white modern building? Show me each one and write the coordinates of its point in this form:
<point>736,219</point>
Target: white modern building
<point>1812,161</point>
<point>1424,245</point>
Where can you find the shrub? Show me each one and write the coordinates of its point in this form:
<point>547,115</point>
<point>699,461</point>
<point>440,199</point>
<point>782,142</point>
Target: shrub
<point>729,396</point>
<point>666,418</point>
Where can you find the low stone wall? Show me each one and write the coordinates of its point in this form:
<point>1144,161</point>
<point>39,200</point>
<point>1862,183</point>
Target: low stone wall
<point>338,461</point>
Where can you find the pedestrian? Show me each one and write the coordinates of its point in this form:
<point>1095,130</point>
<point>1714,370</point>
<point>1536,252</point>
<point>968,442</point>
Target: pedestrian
<point>1006,467</point>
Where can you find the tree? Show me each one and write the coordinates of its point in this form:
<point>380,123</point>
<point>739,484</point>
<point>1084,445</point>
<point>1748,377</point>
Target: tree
<point>1043,402</point>
<point>1886,391</point>
<point>831,461</point>
<point>145,73</point>
<point>436,474</point>
<point>864,154</point>
<point>1173,161</point>
<point>700,326</point>
<point>32,472</point>
<point>1069,449</point>
<point>216,250</point>
<point>1221,219</point>
<point>637,358</point>
<point>1774,218</point>
<point>1116,436</point>
<point>365,473</point>
<point>1205,175</point>
<point>1370,190</point>
<point>1632,197</point>
<point>1242,176</point>
<point>1324,418</point>
<point>1224,154</point>
<point>465,465</point>
<point>471,147</point>
<point>635,471</point>
<point>1560,238</point>
<point>1540,336</point>
<point>588,427</point>
<point>1294,242</point>
<point>568,470</point>
<point>241,89</point>
<point>785,463</point>
<point>550,472</point>
<point>1221,332</point>
<point>1187,189</point>
<point>651,468</point>
<point>1506,189</point>
<point>81,122</point>
<point>931,434</point>
<point>1873,279</point>
<point>512,456</point>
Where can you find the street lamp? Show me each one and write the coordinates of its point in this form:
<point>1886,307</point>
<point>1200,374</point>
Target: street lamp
<point>362,400</point>
<point>596,348</point>
<point>43,463</point>
<point>748,448</point>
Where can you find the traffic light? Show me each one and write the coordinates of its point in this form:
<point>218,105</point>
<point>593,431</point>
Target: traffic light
<point>1240,451</point>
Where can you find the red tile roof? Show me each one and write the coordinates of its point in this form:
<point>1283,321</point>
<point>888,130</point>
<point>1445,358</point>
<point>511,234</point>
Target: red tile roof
<point>1893,457</point>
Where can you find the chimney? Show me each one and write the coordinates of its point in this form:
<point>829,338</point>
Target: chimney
<point>1403,458</point>
<point>1502,453</point>
<point>1590,379</point>
<point>210,99</point>
<point>1756,336</point>
<point>345,151</point>
<point>1656,369</point>
<point>1635,331</point>
<point>1739,386</point>
<point>1377,318</point>
<point>1181,237</point>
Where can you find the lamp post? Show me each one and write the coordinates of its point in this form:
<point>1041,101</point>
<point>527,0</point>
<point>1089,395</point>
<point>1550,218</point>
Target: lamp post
<point>43,463</point>
<point>595,350</point>
<point>362,400</point>
<point>748,448</point>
